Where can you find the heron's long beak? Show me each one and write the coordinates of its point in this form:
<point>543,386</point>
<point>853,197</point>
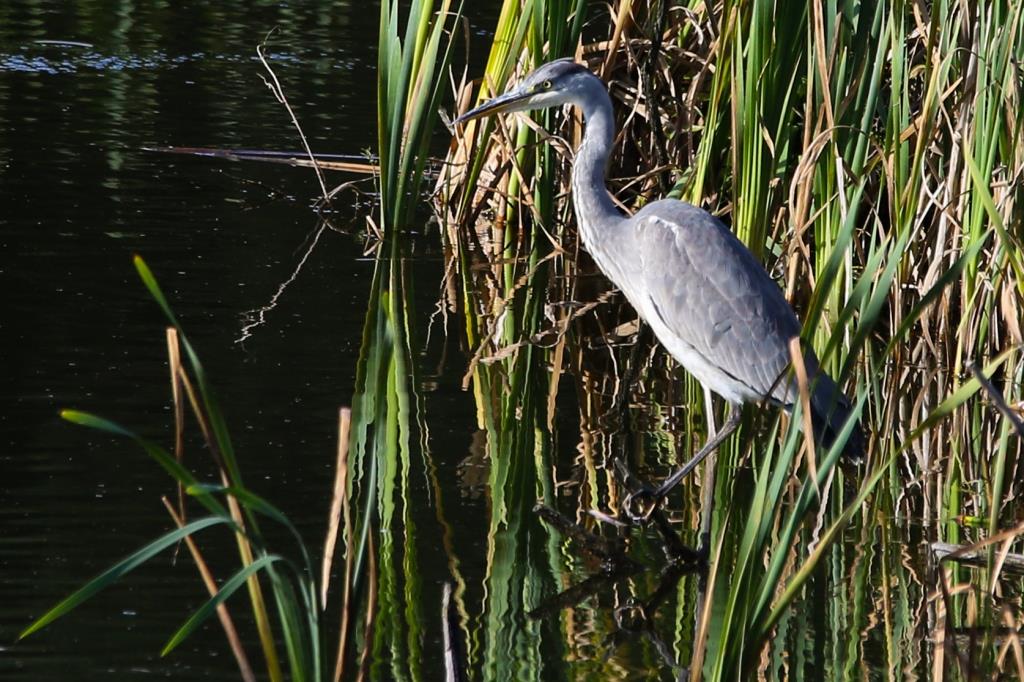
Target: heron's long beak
<point>494,106</point>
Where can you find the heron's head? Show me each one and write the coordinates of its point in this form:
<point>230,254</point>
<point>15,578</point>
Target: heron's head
<point>551,85</point>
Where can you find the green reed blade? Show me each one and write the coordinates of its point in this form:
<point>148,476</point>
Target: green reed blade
<point>206,610</point>
<point>165,459</point>
<point>214,416</point>
<point>119,570</point>
<point>254,502</point>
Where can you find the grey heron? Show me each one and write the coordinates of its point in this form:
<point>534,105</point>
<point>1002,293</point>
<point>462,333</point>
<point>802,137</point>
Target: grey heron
<point>709,301</point>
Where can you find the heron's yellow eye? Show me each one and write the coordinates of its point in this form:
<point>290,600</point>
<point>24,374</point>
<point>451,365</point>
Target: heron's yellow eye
<point>546,85</point>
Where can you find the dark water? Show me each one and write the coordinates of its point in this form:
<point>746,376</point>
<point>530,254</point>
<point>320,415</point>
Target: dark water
<point>77,329</point>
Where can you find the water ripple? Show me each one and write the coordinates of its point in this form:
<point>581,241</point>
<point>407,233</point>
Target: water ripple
<point>25,62</point>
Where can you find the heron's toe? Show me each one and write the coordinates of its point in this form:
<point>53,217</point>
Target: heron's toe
<point>638,506</point>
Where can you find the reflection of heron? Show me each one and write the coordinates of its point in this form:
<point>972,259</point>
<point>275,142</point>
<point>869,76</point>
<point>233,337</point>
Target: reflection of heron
<point>708,300</point>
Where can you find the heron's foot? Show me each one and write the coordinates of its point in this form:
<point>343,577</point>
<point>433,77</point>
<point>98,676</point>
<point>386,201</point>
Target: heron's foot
<point>640,504</point>
<point>632,616</point>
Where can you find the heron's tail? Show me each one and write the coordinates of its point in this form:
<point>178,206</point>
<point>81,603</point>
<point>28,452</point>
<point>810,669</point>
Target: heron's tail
<point>830,410</point>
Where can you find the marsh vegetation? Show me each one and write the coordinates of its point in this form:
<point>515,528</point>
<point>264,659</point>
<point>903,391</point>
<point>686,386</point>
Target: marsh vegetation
<point>872,156</point>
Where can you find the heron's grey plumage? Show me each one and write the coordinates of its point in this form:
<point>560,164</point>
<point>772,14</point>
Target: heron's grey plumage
<point>707,298</point>
<point>690,267</point>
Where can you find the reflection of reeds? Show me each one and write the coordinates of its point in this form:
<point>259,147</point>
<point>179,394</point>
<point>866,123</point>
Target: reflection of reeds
<point>873,160</point>
<point>382,466</point>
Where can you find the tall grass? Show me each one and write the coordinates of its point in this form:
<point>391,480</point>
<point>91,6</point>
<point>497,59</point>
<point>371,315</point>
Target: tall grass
<point>409,88</point>
<point>871,155</point>
<point>503,305</point>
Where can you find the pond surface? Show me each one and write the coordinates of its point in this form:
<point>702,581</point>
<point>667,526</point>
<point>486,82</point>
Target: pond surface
<point>78,330</point>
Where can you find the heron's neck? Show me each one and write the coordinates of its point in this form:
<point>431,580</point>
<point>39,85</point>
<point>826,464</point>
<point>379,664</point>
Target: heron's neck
<point>595,210</point>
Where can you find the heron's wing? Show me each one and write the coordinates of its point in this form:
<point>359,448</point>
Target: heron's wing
<point>713,296</point>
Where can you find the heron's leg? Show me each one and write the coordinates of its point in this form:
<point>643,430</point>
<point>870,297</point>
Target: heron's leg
<point>640,504</point>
